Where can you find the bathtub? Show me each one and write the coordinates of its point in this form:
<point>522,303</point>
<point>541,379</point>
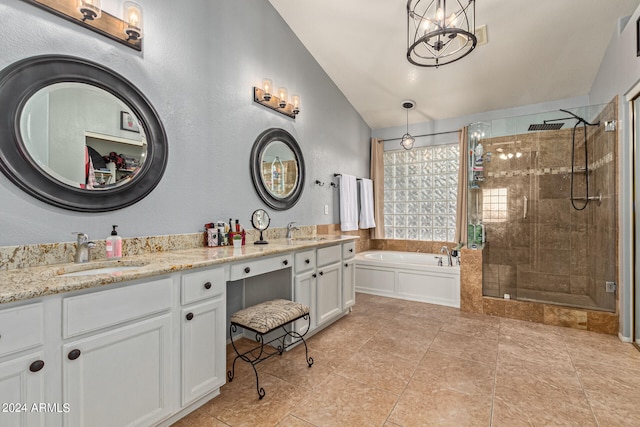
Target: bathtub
<point>408,275</point>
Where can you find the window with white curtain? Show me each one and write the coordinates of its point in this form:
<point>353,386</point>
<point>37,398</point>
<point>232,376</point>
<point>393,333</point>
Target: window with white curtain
<point>420,193</point>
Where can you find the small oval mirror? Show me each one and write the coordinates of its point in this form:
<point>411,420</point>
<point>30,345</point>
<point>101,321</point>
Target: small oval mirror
<point>277,168</point>
<point>260,221</point>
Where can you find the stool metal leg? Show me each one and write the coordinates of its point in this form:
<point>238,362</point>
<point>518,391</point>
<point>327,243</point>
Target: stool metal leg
<point>263,354</point>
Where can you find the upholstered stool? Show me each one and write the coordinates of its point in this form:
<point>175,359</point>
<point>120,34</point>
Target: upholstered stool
<point>265,318</point>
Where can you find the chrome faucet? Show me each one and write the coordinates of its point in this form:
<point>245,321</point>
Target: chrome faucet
<point>83,248</point>
<point>445,249</point>
<point>291,229</point>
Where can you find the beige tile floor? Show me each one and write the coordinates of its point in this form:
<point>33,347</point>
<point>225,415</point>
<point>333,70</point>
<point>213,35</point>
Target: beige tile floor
<point>400,363</point>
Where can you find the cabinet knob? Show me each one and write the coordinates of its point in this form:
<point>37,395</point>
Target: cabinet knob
<point>314,275</point>
<point>351,250</point>
<point>36,366</point>
<point>207,285</point>
<point>285,262</point>
<point>346,265</point>
<point>189,316</point>
<point>321,273</point>
<point>73,354</point>
<point>247,270</point>
<point>307,261</point>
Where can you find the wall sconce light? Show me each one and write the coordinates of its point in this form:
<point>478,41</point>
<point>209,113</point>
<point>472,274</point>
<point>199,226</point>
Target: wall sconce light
<point>280,103</point>
<point>89,14</point>
<point>132,16</point>
<point>90,9</point>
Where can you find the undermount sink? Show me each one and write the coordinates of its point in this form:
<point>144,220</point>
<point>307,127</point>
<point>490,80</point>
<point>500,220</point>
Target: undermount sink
<point>90,271</point>
<point>308,239</point>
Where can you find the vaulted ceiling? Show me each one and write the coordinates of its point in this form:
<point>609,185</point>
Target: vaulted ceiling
<point>537,51</point>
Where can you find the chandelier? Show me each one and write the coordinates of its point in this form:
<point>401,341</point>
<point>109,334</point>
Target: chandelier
<point>440,32</point>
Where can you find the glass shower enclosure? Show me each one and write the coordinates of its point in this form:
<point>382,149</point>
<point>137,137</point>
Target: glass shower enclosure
<point>542,206</point>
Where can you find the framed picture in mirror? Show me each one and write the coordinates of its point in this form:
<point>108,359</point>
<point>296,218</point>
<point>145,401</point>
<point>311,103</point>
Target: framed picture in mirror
<point>128,122</point>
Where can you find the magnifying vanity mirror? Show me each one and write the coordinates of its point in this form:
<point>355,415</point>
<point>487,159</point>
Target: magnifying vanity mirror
<point>277,168</point>
<point>77,135</point>
<point>260,221</point>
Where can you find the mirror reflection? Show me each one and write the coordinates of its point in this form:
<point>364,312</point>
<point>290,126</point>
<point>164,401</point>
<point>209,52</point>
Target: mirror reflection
<point>279,169</point>
<point>82,136</point>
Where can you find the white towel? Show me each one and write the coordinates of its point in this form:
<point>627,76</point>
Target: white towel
<point>366,204</point>
<point>348,203</point>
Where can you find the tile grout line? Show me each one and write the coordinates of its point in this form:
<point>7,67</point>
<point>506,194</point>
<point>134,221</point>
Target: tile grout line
<point>411,378</point>
<point>495,375</point>
<point>586,397</point>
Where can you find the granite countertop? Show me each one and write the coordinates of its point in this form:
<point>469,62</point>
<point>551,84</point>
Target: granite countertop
<point>26,283</point>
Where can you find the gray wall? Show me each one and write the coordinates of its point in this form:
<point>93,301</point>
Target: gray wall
<point>198,67</point>
<point>619,73</point>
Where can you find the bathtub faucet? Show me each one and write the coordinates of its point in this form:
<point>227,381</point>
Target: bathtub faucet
<point>445,249</point>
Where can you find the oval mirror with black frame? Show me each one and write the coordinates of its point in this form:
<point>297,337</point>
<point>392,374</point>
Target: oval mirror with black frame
<point>77,135</point>
<point>277,168</point>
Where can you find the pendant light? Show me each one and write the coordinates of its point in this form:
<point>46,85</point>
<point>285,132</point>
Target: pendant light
<point>407,140</point>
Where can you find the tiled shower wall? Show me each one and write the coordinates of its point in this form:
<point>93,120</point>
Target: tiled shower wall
<point>552,252</point>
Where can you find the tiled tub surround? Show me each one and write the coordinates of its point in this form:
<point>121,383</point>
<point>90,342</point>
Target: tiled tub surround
<point>409,275</point>
<point>556,254</point>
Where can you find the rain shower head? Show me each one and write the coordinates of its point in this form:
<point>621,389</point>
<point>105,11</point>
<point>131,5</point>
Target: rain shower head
<point>545,126</point>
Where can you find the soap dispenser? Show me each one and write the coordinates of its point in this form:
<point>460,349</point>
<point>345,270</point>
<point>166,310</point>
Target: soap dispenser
<point>114,245</point>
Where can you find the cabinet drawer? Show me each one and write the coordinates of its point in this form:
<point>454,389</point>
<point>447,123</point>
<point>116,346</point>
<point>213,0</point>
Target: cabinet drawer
<point>348,250</point>
<point>90,312</point>
<point>305,261</point>
<point>21,328</point>
<point>254,268</point>
<point>329,255</point>
<point>202,284</point>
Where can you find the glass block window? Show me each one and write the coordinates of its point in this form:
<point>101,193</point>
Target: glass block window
<point>420,193</point>
<point>494,205</point>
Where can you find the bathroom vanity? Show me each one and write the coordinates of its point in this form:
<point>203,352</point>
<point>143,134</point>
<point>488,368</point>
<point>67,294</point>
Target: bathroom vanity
<point>146,345</point>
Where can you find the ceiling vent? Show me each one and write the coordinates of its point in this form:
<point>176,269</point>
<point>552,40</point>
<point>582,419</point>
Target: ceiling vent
<point>481,35</point>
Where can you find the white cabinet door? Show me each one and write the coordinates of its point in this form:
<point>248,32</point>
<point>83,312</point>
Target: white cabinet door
<point>120,377</point>
<point>348,284</point>
<point>22,386</point>
<point>304,293</point>
<point>203,348</point>
<point>329,292</point>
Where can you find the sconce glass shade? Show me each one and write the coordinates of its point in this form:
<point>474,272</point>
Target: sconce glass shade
<point>267,87</point>
<point>90,9</point>
<point>132,16</point>
<point>407,141</point>
<point>295,100</point>
<point>282,95</point>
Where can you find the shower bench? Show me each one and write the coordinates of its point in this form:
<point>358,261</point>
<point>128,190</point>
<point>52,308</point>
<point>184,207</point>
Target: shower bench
<point>263,319</point>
